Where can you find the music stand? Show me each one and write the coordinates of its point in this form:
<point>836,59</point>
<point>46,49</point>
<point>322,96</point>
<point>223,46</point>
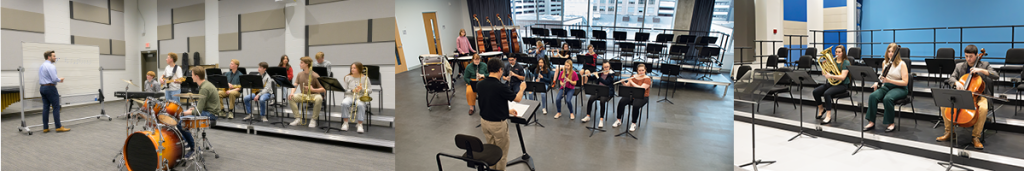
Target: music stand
<point>874,62</point>
<point>284,83</point>
<point>250,82</point>
<point>752,88</point>
<point>331,85</point>
<point>632,93</point>
<point>558,61</point>
<point>597,90</point>
<point>321,71</point>
<point>955,99</point>
<point>535,87</point>
<point>864,74</point>
<point>803,79</point>
<point>219,81</point>
<point>525,158</point>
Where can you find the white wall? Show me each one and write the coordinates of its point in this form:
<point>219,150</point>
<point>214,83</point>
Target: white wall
<point>851,23</point>
<point>815,21</point>
<point>147,28</point>
<point>768,16</point>
<point>212,33</point>
<point>451,16</point>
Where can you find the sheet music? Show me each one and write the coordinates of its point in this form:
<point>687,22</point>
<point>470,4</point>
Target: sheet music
<point>520,108</point>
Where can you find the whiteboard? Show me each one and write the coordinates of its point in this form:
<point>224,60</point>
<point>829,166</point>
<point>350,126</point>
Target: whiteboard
<point>78,64</point>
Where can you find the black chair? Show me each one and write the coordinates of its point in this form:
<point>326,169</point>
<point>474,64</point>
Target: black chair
<point>627,49</point>
<point>240,70</point>
<point>686,39</point>
<point>774,92</point>
<point>742,70</point>
<point>663,38</point>
<point>1014,61</point>
<point>905,101</point>
<point>478,155</point>
<point>676,52</point>
<point>945,53</point>
<point>214,71</point>
<point>616,66</point>
<point>599,34</point>
<point>558,32</point>
<point>600,46</point>
<point>811,52</point>
<point>641,36</point>
<point>779,54</point>
<point>805,62</point>
<point>934,68</point>
<point>854,55</point>
<point>254,73</point>
<point>619,35</point>
<point>835,101</point>
<point>654,51</point>
<point>579,34</point>
<point>905,54</point>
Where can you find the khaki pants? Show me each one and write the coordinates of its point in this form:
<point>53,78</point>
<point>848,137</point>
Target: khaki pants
<point>317,99</point>
<point>979,123</point>
<point>231,96</point>
<point>497,133</point>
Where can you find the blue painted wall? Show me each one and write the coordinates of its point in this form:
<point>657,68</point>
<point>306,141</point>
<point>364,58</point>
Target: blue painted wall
<point>888,14</point>
<point>794,10</point>
<point>834,3</point>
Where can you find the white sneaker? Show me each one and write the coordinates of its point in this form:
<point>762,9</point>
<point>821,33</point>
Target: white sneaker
<point>600,124</point>
<point>558,115</point>
<point>296,122</point>
<point>585,119</point>
<point>359,128</point>
<point>312,124</point>
<point>545,110</point>
<point>265,119</point>
<point>344,126</point>
<point>616,124</point>
<point>632,127</point>
<point>247,117</point>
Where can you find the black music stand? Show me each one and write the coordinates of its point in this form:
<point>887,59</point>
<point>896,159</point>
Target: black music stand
<point>955,99</point>
<point>332,85</point>
<point>863,74</point>
<point>633,93</point>
<point>558,61</point>
<point>535,87</point>
<point>804,79</point>
<point>250,82</point>
<point>321,71</point>
<point>525,158</point>
<point>284,83</point>
<point>219,81</point>
<point>597,90</point>
<point>752,88</point>
<point>874,62</point>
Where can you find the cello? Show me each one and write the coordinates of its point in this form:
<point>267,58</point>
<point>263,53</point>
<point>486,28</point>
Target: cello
<point>975,84</point>
<point>504,36</point>
<point>479,35</point>
<point>494,37</point>
<point>515,36</point>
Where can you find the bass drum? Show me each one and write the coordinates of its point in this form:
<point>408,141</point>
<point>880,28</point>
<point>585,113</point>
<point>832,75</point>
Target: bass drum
<point>436,73</point>
<point>142,147</point>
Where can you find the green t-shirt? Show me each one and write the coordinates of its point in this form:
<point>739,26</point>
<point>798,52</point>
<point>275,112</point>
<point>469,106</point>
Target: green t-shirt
<point>845,66</point>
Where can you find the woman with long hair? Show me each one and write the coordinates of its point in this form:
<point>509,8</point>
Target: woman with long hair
<point>890,88</point>
<point>566,84</point>
<point>544,75</point>
<point>352,82</point>
<point>828,90</point>
<point>284,63</point>
<point>462,45</point>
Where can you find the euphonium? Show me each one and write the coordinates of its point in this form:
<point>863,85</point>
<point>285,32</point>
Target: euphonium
<point>828,64</point>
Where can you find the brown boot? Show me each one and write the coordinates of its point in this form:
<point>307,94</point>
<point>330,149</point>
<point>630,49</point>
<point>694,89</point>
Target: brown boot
<point>977,143</point>
<point>944,137</point>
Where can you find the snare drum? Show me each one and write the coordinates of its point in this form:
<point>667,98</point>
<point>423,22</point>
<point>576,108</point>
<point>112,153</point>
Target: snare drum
<point>166,119</point>
<point>195,122</point>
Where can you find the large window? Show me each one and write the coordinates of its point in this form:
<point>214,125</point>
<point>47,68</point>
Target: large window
<point>628,16</point>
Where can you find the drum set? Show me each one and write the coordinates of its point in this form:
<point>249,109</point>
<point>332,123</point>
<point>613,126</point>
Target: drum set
<point>160,144</point>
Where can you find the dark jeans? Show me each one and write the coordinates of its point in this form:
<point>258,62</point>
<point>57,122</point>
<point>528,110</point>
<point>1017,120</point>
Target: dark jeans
<point>637,105</point>
<point>603,100</point>
<point>50,99</point>
<point>827,91</point>
<point>189,140</point>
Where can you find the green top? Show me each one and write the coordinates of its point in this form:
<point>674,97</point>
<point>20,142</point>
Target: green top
<point>472,70</point>
<point>210,103</point>
<point>845,66</point>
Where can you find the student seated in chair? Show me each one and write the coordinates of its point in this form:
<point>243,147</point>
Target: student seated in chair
<point>973,65</point>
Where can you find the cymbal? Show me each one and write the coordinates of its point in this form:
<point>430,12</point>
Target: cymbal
<point>190,95</point>
<point>129,82</point>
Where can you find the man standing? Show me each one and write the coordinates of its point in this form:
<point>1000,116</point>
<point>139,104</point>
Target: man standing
<point>494,97</point>
<point>171,74</point>
<point>234,87</point>
<point>48,90</point>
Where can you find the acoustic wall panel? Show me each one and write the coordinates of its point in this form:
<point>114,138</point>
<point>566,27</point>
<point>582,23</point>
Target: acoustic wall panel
<point>86,12</point>
<point>165,32</point>
<point>338,33</point>
<point>117,47</point>
<point>263,20</point>
<point>228,41</point>
<point>383,29</point>
<point>197,44</point>
<point>103,44</point>
<point>313,2</point>
<point>188,13</point>
<point>117,5</point>
<point>22,20</point>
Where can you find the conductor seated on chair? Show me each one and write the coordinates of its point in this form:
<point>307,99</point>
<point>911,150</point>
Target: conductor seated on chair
<point>309,93</point>
<point>980,68</point>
